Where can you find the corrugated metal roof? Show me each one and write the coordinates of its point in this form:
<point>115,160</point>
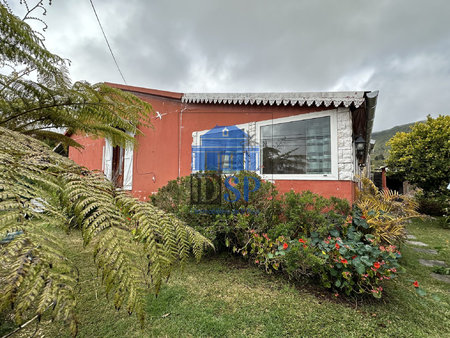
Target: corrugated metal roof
<point>309,98</point>
<point>326,99</point>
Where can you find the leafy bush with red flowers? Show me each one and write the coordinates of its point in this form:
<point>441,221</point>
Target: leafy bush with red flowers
<point>276,253</point>
<point>355,262</point>
<point>347,260</point>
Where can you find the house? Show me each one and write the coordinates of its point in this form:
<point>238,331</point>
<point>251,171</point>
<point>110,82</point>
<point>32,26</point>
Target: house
<point>316,141</point>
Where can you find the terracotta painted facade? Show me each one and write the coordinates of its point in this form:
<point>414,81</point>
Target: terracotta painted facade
<point>164,152</point>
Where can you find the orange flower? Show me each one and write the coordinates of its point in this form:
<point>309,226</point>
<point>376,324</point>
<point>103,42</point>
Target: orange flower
<point>285,246</point>
<point>337,246</point>
<point>416,284</point>
<point>376,265</point>
<point>301,240</point>
<point>344,261</point>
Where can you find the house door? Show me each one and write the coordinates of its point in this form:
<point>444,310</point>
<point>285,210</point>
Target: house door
<point>117,166</point>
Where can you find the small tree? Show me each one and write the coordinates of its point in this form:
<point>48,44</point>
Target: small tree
<point>422,156</point>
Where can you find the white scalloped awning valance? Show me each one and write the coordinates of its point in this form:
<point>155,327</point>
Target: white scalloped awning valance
<point>317,99</point>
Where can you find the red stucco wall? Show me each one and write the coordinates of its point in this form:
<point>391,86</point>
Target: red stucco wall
<point>156,158</point>
<point>164,152</point>
<point>91,155</point>
<point>341,189</point>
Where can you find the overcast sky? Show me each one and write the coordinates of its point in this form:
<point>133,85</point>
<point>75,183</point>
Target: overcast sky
<point>401,48</point>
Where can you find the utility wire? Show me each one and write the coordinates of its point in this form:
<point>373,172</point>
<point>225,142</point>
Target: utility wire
<point>107,42</point>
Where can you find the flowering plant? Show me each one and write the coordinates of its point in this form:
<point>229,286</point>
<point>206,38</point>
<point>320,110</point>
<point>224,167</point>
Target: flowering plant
<point>356,263</point>
<point>266,251</point>
<point>347,259</point>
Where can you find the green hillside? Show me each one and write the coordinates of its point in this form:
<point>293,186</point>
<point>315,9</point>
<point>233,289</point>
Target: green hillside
<point>380,151</point>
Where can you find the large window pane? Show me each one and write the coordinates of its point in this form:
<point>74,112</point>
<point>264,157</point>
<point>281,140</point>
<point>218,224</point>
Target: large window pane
<point>297,147</point>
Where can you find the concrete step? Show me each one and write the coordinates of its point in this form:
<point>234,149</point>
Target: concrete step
<point>432,262</point>
<point>416,243</point>
<point>427,251</point>
<point>442,278</point>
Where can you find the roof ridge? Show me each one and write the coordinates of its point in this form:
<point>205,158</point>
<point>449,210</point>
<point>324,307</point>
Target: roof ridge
<point>156,92</point>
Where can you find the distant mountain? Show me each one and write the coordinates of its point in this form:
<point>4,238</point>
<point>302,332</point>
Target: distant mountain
<point>380,151</point>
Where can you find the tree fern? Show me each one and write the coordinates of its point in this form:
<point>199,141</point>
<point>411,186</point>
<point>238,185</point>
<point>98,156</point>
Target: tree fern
<point>165,238</point>
<point>21,45</point>
<point>34,273</point>
<point>34,107</point>
<point>135,245</point>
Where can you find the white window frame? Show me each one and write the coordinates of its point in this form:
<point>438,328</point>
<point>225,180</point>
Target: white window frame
<point>333,138</point>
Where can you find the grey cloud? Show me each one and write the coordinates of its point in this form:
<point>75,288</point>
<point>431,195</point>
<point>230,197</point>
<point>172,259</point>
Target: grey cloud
<point>399,47</point>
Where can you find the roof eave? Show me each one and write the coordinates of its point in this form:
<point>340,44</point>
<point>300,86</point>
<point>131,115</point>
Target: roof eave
<point>326,99</point>
<point>371,104</point>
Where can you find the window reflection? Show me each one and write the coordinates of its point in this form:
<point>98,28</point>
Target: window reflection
<point>297,147</point>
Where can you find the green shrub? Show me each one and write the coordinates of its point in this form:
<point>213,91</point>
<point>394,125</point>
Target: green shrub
<point>301,234</point>
<point>305,212</point>
<point>348,259</point>
<point>444,221</point>
<point>355,262</point>
<point>228,223</point>
<point>432,205</point>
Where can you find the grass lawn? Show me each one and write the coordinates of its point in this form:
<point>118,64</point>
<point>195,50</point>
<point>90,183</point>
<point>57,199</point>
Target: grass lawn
<point>224,296</point>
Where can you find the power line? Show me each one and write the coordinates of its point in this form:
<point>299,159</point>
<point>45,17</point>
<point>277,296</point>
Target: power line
<point>107,42</point>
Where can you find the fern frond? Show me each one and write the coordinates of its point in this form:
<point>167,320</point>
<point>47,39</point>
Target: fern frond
<point>166,239</point>
<point>41,191</point>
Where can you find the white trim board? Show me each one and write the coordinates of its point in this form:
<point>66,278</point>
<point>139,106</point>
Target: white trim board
<point>332,113</point>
